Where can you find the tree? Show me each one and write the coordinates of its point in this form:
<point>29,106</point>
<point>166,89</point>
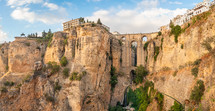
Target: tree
<point>99,21</point>
<point>22,35</point>
<point>171,25</point>
<point>141,73</point>
<point>36,34</point>
<point>44,33</point>
<point>176,107</point>
<point>82,20</point>
<point>49,31</point>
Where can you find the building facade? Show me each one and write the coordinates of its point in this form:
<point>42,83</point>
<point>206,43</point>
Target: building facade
<point>72,23</point>
<point>198,9</point>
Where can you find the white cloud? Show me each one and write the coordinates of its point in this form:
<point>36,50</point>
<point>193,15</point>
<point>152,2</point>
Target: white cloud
<point>3,35</point>
<point>146,4</point>
<point>14,3</point>
<point>23,14</point>
<point>138,19</point>
<point>55,14</point>
<point>176,2</point>
<point>30,16</point>
<point>51,6</point>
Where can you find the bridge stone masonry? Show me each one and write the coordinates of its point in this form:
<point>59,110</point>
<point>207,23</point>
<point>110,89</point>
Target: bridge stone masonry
<point>132,52</point>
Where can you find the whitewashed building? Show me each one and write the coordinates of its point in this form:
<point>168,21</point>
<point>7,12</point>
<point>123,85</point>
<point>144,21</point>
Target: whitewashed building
<point>198,9</point>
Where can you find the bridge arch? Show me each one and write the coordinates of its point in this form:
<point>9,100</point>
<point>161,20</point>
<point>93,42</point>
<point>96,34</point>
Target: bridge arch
<point>144,39</point>
<point>123,38</point>
<point>134,53</point>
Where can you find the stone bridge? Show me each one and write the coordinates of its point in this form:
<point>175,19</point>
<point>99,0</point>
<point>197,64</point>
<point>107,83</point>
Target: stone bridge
<point>133,53</point>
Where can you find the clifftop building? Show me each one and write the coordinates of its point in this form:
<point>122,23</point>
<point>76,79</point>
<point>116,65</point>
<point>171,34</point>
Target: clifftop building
<point>76,22</point>
<point>198,9</point>
<point>72,23</point>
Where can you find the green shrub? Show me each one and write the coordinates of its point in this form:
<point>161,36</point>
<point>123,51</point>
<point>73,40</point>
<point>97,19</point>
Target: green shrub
<point>54,67</point>
<point>57,87</point>
<point>140,72</point>
<point>88,102</point>
<point>207,44</point>
<point>113,81</point>
<point>194,20</point>
<point>198,91</point>
<point>74,76</point>
<point>77,76</point>
<point>116,108</point>
<point>197,62</point>
<point>159,33</point>
<point>93,24</point>
<point>160,99</point>
<point>182,46</point>
<point>156,52</point>
<point>195,71</point>
<point>113,78</point>
<point>4,89</point>
<point>66,72</point>
<point>176,31</point>
<point>18,86</point>
<point>49,42</point>
<point>120,42</point>
<point>65,42</point>
<point>7,83</point>
<point>146,45</point>
<point>162,43</point>
<point>176,107</point>
<point>84,73</point>
<point>63,61</point>
<point>27,44</point>
<point>142,96</point>
<point>175,73</point>
<point>146,59</point>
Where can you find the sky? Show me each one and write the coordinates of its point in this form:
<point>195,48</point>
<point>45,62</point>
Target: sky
<point>124,16</point>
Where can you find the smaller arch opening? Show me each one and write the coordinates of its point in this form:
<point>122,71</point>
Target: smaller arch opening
<point>123,38</point>
<point>132,75</point>
<point>144,39</point>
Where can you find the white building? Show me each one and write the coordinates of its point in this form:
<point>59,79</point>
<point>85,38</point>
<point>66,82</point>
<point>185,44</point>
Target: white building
<point>69,24</point>
<point>198,9</point>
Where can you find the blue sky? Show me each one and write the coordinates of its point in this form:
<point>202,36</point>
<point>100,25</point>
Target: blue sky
<point>124,16</point>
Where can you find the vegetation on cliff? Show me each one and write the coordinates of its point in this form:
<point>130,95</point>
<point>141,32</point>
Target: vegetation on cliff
<point>113,79</point>
<point>77,76</point>
<point>143,96</point>
<point>141,73</point>
<point>66,72</point>
<point>53,67</point>
<point>195,69</point>
<point>63,61</point>
<point>176,107</point>
<point>198,91</point>
<point>176,31</point>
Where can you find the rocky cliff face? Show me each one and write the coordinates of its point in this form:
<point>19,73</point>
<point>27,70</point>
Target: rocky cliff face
<point>87,53</point>
<point>90,52</point>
